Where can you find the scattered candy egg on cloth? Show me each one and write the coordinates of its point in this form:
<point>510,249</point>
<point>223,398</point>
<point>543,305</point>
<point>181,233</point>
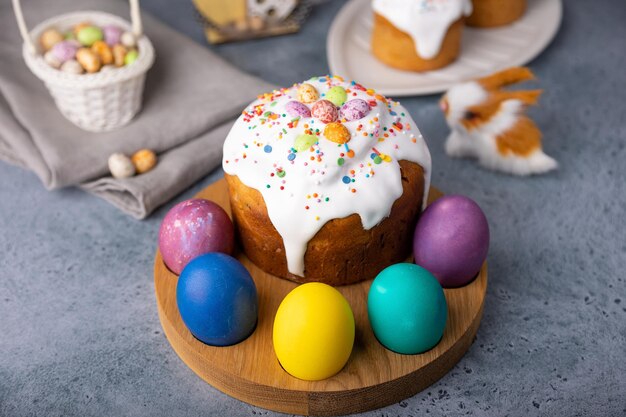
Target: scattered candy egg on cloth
<point>217,299</point>
<point>144,160</point>
<point>121,166</point>
<point>407,309</point>
<point>452,239</point>
<point>192,228</point>
<point>313,331</point>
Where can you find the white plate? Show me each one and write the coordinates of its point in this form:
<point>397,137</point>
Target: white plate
<point>483,51</point>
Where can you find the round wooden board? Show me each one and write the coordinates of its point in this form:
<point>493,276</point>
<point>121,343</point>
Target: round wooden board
<point>373,377</point>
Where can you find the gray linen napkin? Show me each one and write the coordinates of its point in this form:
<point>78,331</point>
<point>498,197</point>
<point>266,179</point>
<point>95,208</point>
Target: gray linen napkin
<point>190,100</point>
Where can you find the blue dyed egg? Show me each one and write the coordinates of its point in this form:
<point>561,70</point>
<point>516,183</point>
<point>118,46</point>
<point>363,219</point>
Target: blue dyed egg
<point>407,309</point>
<point>217,299</point>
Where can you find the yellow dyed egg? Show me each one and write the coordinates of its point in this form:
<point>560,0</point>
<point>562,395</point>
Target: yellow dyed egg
<point>313,332</point>
<point>307,93</point>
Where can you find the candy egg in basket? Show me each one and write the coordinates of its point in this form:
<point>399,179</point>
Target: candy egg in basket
<point>93,63</point>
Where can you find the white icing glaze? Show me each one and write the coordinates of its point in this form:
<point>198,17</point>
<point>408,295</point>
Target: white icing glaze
<point>426,21</point>
<point>312,190</point>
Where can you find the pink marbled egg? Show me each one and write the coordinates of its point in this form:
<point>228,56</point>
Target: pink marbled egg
<point>192,228</point>
<point>325,111</point>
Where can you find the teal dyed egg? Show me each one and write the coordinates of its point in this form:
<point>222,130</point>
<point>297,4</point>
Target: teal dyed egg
<point>87,36</point>
<point>336,95</point>
<point>407,309</point>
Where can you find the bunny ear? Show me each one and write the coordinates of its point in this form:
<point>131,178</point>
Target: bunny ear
<point>508,76</point>
<point>528,97</point>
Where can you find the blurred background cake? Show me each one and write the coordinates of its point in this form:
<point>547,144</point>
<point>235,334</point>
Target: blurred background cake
<point>491,13</point>
<point>418,35</point>
<point>326,180</point>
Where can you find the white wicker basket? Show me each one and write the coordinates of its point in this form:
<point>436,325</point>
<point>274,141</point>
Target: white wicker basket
<point>95,102</point>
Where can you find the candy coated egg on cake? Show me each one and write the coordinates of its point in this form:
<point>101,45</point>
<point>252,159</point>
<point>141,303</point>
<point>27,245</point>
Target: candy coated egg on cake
<point>452,239</point>
<point>336,95</point>
<point>192,228</point>
<point>313,331</point>
<point>217,299</point>
<point>407,309</point>
<point>325,111</point>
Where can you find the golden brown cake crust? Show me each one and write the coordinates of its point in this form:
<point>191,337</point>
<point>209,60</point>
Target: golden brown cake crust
<point>342,252</point>
<point>397,49</point>
<point>492,13</point>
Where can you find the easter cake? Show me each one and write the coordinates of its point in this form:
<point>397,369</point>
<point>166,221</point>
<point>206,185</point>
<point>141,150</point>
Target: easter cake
<point>326,181</point>
<point>419,35</point>
<point>492,13</point>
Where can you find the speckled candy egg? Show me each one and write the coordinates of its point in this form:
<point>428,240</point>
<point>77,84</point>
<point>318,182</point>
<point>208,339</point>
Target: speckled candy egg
<point>451,240</point>
<point>144,160</point>
<point>217,299</point>
<point>325,111</point>
<point>407,309</point>
<point>297,109</point>
<point>192,228</point>
<point>121,166</point>
<point>49,38</point>
<point>337,132</point>
<point>307,93</point>
<point>128,40</point>
<point>64,50</point>
<point>313,331</point>
<point>355,109</point>
<point>336,95</point>
<point>112,34</point>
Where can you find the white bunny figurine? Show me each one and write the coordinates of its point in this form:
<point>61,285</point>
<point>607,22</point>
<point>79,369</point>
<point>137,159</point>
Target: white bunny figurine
<point>488,123</point>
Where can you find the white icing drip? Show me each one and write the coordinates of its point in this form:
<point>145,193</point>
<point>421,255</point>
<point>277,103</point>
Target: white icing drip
<point>304,178</point>
<point>426,21</point>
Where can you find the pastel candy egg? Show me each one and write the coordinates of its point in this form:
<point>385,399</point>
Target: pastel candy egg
<point>88,60</point>
<point>407,309</point>
<point>217,299</point>
<point>80,26</point>
<point>88,35</point>
<point>121,166</point>
<point>192,228</point>
<point>52,60</point>
<point>355,109</point>
<point>336,95</point>
<point>336,132</point>
<point>112,34</point>
<point>49,38</point>
<point>128,40</point>
<point>452,240</point>
<point>313,331</point>
<point>304,142</point>
<point>64,50</point>
<point>119,53</point>
<point>144,160</point>
<point>72,67</point>
<point>297,109</point>
<point>325,111</point>
<point>103,51</point>
<point>307,93</point>
<point>131,57</point>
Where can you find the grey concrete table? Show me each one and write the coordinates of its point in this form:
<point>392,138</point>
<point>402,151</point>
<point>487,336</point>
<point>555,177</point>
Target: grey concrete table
<point>79,332</point>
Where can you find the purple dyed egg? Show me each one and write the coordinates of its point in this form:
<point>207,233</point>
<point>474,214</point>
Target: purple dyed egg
<point>192,228</point>
<point>297,109</point>
<point>451,240</point>
<point>112,34</point>
<point>355,109</point>
<point>64,50</point>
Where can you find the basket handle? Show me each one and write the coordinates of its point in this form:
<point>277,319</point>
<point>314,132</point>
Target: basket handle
<point>135,18</point>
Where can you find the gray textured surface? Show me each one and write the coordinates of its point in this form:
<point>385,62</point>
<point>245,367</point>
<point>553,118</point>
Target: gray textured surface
<point>79,333</point>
